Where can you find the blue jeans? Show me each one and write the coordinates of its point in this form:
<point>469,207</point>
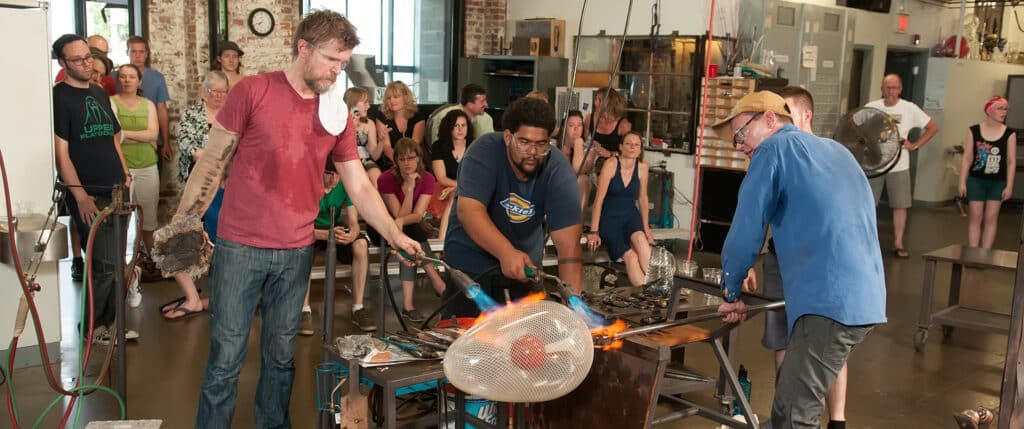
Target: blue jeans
<point>239,276</point>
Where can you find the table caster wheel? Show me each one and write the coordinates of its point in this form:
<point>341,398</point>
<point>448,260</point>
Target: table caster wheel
<point>919,338</point>
<point>947,333</point>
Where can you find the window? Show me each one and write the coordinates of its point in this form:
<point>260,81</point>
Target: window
<point>115,20</point>
<point>411,41</point>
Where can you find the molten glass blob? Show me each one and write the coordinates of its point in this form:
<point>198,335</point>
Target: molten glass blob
<point>524,352</point>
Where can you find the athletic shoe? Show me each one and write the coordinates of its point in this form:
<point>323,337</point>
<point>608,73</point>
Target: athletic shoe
<point>306,326</point>
<point>413,315</point>
<point>363,320</point>
<point>134,291</point>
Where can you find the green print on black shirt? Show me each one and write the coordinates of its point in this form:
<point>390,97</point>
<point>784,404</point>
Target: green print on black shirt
<point>97,122</point>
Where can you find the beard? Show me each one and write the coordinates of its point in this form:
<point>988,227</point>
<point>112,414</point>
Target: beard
<point>319,84</point>
<point>77,75</point>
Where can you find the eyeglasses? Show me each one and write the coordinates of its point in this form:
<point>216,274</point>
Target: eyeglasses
<point>740,135</point>
<point>523,145</point>
<point>217,91</point>
<point>332,60</point>
<point>408,158</point>
<point>80,61</point>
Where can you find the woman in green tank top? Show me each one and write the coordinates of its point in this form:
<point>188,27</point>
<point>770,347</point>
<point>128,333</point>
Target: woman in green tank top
<point>139,134</point>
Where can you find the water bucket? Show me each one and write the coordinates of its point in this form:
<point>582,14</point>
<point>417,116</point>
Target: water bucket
<point>480,408</point>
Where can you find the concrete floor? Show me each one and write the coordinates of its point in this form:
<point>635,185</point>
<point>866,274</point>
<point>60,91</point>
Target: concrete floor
<point>892,386</point>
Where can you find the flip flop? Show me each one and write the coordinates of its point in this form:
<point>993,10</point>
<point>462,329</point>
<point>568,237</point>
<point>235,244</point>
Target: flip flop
<point>174,303</point>
<point>901,253</point>
<point>185,313</point>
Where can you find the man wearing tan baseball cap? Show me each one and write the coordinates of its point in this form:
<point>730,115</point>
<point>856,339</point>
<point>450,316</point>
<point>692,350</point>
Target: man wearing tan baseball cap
<point>819,205</point>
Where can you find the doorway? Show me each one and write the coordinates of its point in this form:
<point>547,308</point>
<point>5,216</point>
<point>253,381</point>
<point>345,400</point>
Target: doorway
<point>911,66</point>
<point>860,67</point>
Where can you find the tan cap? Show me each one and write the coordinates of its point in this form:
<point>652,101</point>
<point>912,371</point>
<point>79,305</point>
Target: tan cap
<point>757,102</point>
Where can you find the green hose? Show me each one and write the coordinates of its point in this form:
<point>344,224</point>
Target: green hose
<point>120,402</point>
<point>10,382</point>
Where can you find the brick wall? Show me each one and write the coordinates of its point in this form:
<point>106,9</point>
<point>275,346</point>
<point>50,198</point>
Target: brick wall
<point>484,27</point>
<point>180,46</point>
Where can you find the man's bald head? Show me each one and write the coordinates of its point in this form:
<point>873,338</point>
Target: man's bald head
<point>99,42</point>
<point>892,86</point>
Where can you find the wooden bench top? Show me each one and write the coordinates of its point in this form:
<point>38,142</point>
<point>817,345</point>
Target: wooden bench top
<point>975,257</point>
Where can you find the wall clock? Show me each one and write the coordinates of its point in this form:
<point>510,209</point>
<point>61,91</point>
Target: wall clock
<point>261,22</point>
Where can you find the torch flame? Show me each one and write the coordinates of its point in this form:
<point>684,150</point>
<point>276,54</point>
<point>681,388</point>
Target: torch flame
<point>611,331</point>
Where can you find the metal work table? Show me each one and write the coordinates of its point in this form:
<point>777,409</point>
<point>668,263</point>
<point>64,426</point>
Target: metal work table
<point>954,314</point>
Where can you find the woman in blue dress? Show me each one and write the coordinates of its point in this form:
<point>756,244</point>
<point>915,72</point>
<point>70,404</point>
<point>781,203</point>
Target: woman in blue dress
<point>620,210</point>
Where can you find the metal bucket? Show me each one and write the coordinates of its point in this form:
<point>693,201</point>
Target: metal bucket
<point>28,230</point>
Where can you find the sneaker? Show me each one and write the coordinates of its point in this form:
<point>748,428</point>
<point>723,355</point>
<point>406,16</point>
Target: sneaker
<point>134,291</point>
<point>105,337</point>
<point>363,320</point>
<point>101,336</point>
<point>77,269</point>
<point>306,326</point>
<point>413,315</point>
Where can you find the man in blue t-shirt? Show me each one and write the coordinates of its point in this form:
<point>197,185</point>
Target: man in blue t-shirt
<point>819,205</point>
<point>510,183</point>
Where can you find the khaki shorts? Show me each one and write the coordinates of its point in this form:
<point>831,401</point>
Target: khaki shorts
<point>146,193</point>
<point>897,184</point>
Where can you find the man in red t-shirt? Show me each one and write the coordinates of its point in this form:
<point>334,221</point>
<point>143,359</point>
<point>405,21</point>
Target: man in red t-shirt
<point>276,130</point>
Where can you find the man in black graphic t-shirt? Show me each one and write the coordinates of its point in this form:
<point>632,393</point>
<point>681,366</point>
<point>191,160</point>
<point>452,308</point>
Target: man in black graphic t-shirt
<point>89,161</point>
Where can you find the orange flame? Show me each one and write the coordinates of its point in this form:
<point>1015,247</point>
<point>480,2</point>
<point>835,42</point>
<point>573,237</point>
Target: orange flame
<point>611,331</point>
<point>526,300</point>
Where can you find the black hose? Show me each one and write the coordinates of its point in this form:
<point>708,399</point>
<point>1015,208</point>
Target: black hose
<point>391,294</point>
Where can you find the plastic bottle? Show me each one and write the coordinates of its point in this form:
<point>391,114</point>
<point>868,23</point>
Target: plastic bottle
<point>745,384</point>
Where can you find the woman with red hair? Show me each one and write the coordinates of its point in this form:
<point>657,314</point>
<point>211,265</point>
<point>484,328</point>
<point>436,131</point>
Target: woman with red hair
<point>987,170</point>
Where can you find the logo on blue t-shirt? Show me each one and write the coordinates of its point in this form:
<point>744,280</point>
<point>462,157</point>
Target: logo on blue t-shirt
<point>519,209</point>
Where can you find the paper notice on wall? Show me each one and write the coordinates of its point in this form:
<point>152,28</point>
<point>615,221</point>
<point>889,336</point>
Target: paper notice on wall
<point>810,57</point>
<point>827,64</point>
<point>935,88</point>
<point>781,59</point>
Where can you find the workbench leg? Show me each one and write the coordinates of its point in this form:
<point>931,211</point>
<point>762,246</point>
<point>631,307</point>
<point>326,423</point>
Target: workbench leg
<point>734,383</point>
<point>725,395</point>
<point>390,409</point>
<point>955,279</point>
<point>460,409</point>
<point>924,320</point>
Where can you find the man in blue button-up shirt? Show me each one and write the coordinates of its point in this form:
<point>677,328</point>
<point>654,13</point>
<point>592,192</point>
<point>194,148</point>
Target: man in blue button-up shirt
<point>821,210</point>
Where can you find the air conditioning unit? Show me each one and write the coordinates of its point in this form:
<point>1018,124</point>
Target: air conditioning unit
<point>581,99</point>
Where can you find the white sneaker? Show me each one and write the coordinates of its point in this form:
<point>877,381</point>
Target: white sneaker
<point>134,292</point>
<point>131,334</point>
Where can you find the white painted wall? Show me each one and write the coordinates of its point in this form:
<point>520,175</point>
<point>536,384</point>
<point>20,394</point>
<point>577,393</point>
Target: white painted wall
<point>28,155</point>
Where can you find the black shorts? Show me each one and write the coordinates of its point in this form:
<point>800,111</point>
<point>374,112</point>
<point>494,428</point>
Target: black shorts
<point>344,251</point>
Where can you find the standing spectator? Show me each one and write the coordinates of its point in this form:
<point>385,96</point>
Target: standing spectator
<point>407,188</point>
<point>138,144</point>
<point>193,130</point>
<point>90,164</point>
<point>98,46</point>
<point>272,126</point>
<point>398,117</point>
<point>446,154</point>
<point>473,102</point>
<point>908,116</point>
<point>619,216</point>
<point>987,171</point>
<point>370,149</point>
<point>607,133</point>
<point>229,61</point>
<point>154,87</point>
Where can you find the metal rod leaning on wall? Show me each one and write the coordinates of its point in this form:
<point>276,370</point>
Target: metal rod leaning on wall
<point>655,32</point>
<point>615,72</point>
<point>572,77</point>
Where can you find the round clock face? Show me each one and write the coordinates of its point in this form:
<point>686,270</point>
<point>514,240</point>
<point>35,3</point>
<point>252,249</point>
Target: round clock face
<point>261,22</point>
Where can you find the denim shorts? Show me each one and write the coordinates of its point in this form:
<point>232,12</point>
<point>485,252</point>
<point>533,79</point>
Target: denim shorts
<point>979,189</point>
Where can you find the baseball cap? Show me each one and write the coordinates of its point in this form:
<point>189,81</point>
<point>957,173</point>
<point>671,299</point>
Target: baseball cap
<point>228,45</point>
<point>756,102</point>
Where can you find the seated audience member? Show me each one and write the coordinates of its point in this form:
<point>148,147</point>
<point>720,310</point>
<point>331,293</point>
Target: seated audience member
<point>573,146</point>
<point>454,137</point>
<point>352,248</point>
<point>407,189</point>
<point>398,117</point>
<point>620,210</point>
<point>370,149</point>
